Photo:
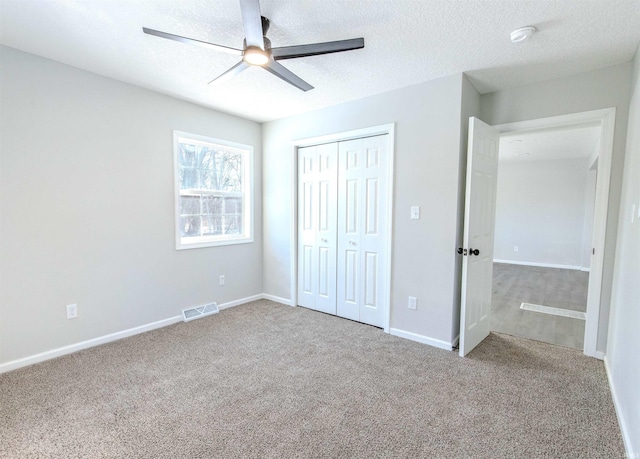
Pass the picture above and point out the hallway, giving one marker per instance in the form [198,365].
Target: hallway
[557,288]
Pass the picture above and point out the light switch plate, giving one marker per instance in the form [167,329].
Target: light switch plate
[415,212]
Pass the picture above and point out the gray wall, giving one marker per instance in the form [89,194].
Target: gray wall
[604,88]
[624,337]
[86,206]
[427,155]
[540,207]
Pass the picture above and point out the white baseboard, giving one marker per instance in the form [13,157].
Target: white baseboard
[52,354]
[585,270]
[540,265]
[277,299]
[626,434]
[421,339]
[245,300]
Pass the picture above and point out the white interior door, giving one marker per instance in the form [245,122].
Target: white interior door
[479,223]
[317,226]
[362,213]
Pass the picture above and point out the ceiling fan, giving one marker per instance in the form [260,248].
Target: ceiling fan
[257,50]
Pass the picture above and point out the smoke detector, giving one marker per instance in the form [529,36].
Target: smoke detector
[522,34]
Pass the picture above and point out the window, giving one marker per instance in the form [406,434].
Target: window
[214,182]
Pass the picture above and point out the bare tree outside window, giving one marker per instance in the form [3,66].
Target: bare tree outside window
[211,180]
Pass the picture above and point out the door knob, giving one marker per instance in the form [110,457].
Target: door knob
[323,240]
[475,252]
[352,243]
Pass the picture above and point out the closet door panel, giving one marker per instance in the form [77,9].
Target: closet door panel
[349,229]
[317,226]
[362,204]
[327,215]
[307,182]
[373,241]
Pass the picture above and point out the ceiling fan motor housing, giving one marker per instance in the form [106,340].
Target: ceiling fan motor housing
[267,44]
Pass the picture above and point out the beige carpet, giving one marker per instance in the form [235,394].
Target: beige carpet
[266,380]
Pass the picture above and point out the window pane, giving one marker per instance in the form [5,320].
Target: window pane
[207,226]
[189,205]
[207,179]
[228,171]
[187,155]
[189,178]
[212,205]
[232,205]
[233,224]
[205,157]
[216,225]
[189,226]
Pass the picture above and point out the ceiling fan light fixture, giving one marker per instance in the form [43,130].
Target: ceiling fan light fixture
[255,56]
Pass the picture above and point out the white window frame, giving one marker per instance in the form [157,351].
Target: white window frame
[246,236]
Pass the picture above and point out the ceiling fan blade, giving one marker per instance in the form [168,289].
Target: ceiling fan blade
[192,41]
[281,71]
[252,23]
[233,71]
[314,49]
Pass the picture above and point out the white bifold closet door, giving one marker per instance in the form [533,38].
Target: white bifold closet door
[342,211]
[317,226]
[362,213]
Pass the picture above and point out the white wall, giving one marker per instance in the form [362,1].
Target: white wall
[427,161]
[624,335]
[87,208]
[603,88]
[540,208]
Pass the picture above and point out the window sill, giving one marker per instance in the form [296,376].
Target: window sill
[201,242]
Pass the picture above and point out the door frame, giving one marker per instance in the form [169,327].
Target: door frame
[605,118]
[384,129]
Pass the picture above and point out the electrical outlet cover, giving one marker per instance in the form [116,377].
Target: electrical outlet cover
[72,311]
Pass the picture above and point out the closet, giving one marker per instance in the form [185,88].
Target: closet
[342,212]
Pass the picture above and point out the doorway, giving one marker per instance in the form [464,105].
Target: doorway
[543,233]
[476,282]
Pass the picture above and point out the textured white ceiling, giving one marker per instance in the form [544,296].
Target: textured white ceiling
[406,42]
[550,145]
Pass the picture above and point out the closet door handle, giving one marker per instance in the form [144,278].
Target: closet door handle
[352,243]
[323,240]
